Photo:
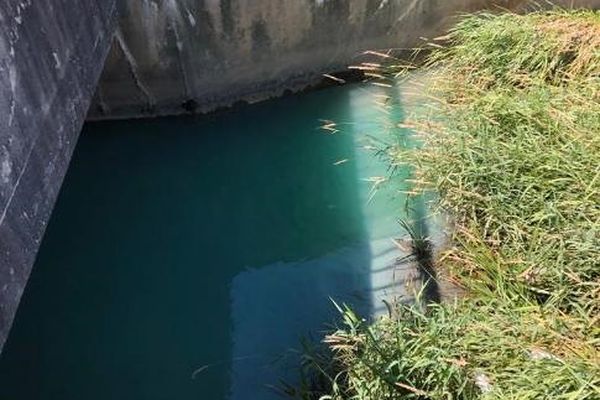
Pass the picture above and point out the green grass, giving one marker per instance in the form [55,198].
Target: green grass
[511,143]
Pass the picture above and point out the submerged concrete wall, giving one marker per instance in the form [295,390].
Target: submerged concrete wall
[51,55]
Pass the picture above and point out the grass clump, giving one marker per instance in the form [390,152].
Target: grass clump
[516,159]
[511,143]
[466,350]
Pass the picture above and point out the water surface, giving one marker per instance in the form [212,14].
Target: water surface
[186,256]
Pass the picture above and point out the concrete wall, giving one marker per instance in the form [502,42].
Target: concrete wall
[173,55]
[51,55]
[176,54]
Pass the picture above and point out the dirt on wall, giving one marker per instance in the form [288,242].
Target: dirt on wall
[175,56]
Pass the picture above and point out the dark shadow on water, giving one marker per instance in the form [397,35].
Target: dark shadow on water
[423,251]
[180,245]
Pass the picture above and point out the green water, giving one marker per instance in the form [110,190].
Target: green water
[186,256]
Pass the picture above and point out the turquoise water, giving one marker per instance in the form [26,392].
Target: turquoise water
[186,256]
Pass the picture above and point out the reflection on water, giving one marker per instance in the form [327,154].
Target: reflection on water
[185,256]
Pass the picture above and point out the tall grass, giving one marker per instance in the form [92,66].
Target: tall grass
[516,159]
[511,143]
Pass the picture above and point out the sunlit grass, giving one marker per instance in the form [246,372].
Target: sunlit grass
[516,160]
[511,143]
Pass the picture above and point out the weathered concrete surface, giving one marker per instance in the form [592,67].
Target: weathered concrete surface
[51,55]
[173,56]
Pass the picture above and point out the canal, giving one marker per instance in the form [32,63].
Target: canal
[187,256]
